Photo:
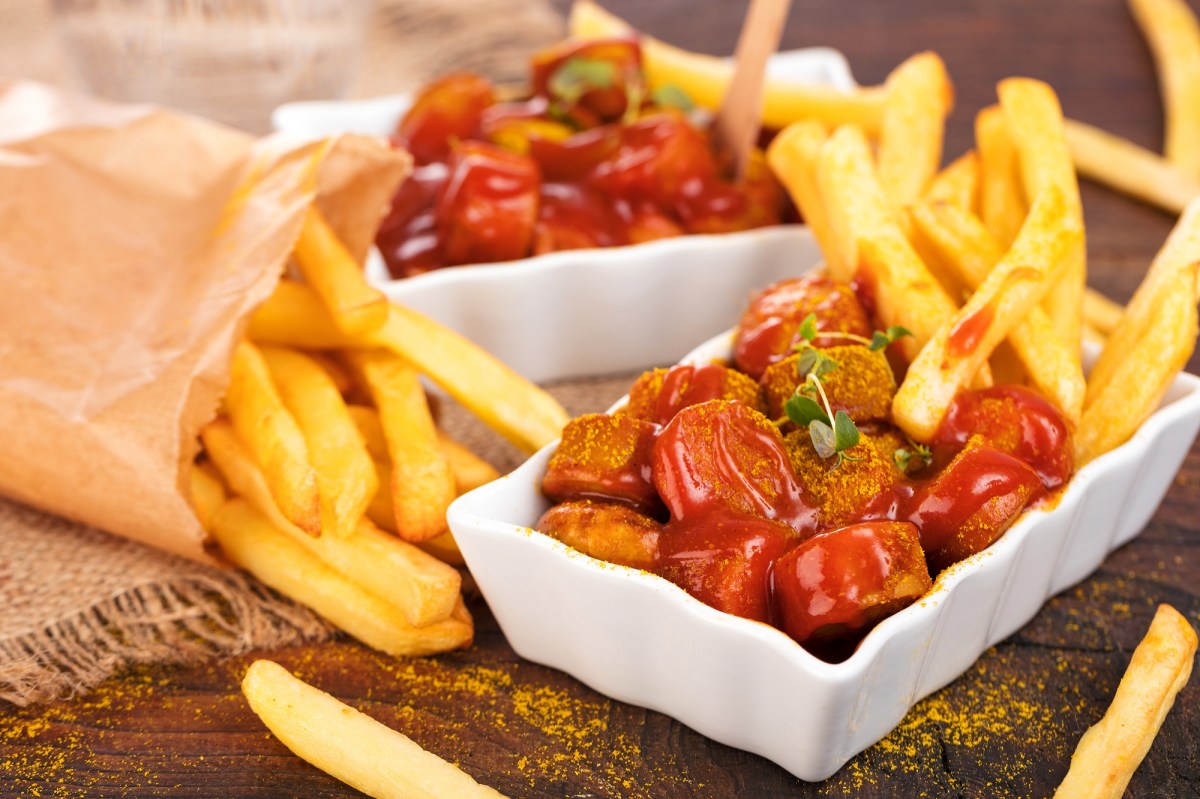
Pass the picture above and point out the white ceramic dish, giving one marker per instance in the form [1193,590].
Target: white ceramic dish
[640,639]
[583,296]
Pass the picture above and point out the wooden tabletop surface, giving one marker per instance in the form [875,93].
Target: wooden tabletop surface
[1006,728]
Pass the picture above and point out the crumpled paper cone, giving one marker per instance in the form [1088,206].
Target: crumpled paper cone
[135,242]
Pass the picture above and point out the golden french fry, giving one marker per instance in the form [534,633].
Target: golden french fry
[366,419]
[1101,313]
[354,306]
[1001,197]
[520,411]
[338,373]
[792,156]
[957,184]
[919,97]
[1035,122]
[349,745]
[382,510]
[869,237]
[1141,358]
[1111,750]
[1052,366]
[444,548]
[248,538]
[1181,249]
[422,484]
[423,589]
[1173,33]
[345,475]
[1023,276]
[270,432]
[207,492]
[1128,168]
[705,78]
[1093,334]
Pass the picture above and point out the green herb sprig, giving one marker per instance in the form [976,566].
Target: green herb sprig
[912,458]
[831,433]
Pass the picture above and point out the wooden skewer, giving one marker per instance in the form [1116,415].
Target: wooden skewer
[738,121]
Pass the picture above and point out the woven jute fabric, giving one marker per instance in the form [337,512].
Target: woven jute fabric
[77,604]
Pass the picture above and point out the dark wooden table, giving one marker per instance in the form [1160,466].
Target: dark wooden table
[1005,729]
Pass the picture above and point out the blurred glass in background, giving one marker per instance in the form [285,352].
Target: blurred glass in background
[228,60]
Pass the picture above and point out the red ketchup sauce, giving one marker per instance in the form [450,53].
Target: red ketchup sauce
[588,159]
[739,508]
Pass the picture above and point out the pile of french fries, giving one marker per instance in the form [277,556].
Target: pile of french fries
[325,474]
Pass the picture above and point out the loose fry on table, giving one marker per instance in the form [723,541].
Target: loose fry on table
[1130,169]
[520,411]
[792,156]
[1110,751]
[1181,249]
[1052,366]
[422,484]
[349,745]
[248,538]
[1173,33]
[1001,198]
[422,588]
[868,236]
[1035,121]
[355,306]
[706,78]
[957,184]
[345,475]
[270,432]
[207,492]
[1024,275]
[919,97]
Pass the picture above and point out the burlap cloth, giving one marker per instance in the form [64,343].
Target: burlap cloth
[77,604]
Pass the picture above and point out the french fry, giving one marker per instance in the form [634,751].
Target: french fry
[366,419]
[869,237]
[354,306]
[957,184]
[705,78]
[444,548]
[1110,751]
[1001,198]
[423,589]
[345,475]
[1122,165]
[1100,312]
[1173,33]
[248,538]
[508,403]
[207,492]
[470,471]
[338,373]
[1035,121]
[422,484]
[1181,249]
[1023,276]
[270,432]
[382,510]
[349,745]
[919,97]
[1141,359]
[792,156]
[1052,366]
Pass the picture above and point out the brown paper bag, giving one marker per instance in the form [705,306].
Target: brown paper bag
[133,244]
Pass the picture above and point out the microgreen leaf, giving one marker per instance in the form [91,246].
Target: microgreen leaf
[804,410]
[823,439]
[883,338]
[823,366]
[806,361]
[913,459]
[579,75]
[808,328]
[672,96]
[845,433]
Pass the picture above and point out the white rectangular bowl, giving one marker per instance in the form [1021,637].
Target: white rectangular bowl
[640,639]
[583,297]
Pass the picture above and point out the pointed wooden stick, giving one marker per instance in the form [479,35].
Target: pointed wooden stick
[740,117]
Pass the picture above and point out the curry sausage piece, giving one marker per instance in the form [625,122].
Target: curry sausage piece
[607,458]
[861,384]
[604,530]
[659,394]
